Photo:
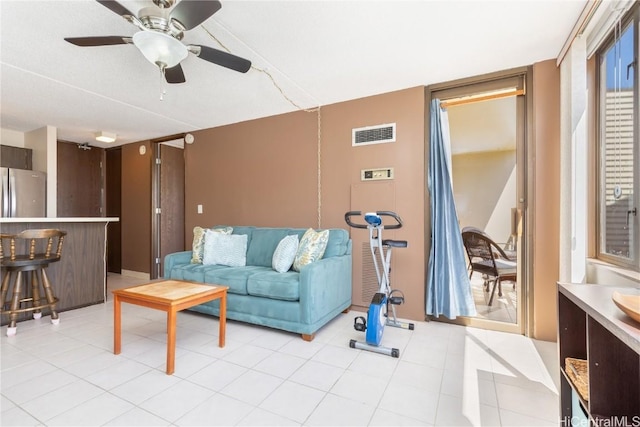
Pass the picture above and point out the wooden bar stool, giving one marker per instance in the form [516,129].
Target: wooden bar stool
[29,251]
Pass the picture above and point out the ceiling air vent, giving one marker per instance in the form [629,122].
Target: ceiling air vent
[373,135]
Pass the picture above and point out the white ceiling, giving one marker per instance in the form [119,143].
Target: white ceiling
[318,52]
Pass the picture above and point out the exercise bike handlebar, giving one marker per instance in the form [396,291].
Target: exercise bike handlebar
[395,216]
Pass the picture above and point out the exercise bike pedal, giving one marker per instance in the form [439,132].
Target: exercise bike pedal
[396,300]
[360,324]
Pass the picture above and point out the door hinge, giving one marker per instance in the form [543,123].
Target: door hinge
[157,260]
[158,161]
[158,211]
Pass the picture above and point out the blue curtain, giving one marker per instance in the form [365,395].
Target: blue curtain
[448,287]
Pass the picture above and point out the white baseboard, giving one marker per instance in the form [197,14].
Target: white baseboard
[135,274]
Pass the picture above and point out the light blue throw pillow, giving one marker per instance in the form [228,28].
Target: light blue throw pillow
[285,253]
[198,241]
[225,249]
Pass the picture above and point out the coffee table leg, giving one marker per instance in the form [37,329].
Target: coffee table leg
[171,341]
[223,319]
[116,325]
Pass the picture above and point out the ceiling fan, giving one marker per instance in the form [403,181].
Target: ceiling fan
[161,32]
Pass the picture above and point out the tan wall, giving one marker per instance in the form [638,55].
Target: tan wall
[261,172]
[546,198]
[343,190]
[11,137]
[135,219]
[264,172]
[479,181]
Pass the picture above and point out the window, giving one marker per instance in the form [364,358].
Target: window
[619,168]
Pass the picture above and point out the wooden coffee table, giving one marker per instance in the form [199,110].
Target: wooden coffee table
[171,296]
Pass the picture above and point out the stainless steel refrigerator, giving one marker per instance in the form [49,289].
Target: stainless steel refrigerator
[24,193]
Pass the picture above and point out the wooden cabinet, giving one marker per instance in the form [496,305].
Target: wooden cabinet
[16,157]
[80,178]
[592,329]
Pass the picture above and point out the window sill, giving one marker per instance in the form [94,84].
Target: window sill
[602,272]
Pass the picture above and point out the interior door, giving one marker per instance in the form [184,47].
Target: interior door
[168,215]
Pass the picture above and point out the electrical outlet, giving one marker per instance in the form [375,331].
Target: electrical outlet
[199,209]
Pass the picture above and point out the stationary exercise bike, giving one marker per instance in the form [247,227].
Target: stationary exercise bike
[378,313]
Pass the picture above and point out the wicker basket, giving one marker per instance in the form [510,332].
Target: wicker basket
[578,371]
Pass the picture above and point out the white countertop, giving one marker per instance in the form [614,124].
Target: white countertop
[71,219]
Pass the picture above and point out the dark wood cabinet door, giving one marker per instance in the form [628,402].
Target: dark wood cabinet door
[79,181]
[16,157]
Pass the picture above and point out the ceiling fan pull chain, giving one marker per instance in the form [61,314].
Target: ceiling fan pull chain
[162,80]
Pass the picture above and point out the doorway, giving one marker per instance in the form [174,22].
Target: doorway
[487,126]
[167,223]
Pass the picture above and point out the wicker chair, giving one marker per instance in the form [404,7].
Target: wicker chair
[489,259]
[31,252]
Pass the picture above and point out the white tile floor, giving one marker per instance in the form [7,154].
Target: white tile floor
[446,375]
[502,309]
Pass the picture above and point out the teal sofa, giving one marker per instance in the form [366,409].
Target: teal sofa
[300,302]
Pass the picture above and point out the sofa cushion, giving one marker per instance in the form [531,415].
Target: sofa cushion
[233,277]
[221,249]
[192,272]
[263,244]
[285,253]
[248,230]
[274,285]
[311,248]
[337,244]
[198,241]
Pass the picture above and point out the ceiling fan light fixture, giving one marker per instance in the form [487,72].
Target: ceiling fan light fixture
[160,48]
[105,136]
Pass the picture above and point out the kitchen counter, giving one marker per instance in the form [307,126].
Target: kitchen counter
[79,279]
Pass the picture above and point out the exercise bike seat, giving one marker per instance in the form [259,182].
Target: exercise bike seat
[395,243]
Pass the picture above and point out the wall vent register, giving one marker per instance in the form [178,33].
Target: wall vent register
[379,134]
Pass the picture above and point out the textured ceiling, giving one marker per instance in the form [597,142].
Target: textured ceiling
[318,52]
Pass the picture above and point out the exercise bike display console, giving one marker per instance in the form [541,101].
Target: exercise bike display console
[378,313]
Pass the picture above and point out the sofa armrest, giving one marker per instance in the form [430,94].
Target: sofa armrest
[324,286]
[174,259]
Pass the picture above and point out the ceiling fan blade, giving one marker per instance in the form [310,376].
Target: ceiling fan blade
[222,58]
[98,41]
[116,7]
[174,74]
[191,13]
